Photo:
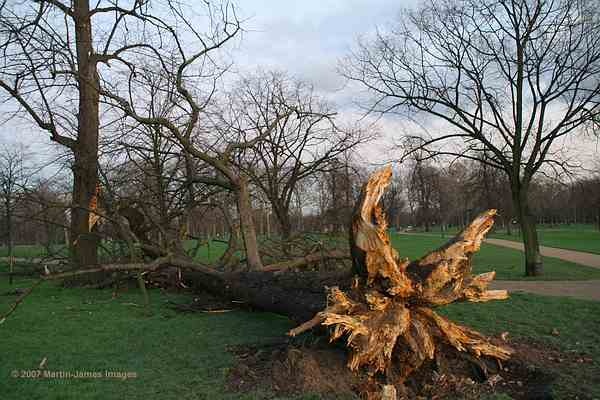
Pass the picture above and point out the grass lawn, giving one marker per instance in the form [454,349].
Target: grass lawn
[508,263]
[175,356]
[27,251]
[532,316]
[578,237]
[183,356]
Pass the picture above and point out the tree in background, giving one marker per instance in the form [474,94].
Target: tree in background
[508,78]
[297,148]
[14,177]
[424,192]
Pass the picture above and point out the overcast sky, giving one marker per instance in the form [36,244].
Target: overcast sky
[307,39]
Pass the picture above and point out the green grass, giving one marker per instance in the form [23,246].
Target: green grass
[209,252]
[27,251]
[508,263]
[175,356]
[183,356]
[579,237]
[532,316]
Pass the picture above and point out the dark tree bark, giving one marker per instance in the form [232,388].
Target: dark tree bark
[533,257]
[84,244]
[297,295]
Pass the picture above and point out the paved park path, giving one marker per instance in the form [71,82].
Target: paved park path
[589,290]
[578,257]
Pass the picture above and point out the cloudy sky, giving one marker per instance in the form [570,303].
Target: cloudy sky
[307,39]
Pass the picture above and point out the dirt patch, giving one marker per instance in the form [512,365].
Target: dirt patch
[287,369]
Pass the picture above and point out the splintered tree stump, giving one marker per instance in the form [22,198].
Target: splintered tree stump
[387,315]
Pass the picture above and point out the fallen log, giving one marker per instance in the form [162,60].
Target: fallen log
[383,307]
[297,295]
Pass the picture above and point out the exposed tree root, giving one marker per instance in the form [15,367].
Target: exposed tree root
[386,317]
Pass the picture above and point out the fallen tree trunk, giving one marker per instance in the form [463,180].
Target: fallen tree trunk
[298,295]
[383,307]
[386,311]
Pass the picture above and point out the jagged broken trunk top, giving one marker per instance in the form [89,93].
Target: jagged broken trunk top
[387,316]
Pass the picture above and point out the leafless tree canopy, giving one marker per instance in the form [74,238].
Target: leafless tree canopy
[508,79]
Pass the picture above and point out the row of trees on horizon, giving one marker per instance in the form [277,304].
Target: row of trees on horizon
[423,195]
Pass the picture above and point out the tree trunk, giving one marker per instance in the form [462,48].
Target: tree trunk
[228,258]
[244,206]
[508,222]
[84,244]
[285,225]
[297,295]
[9,239]
[533,257]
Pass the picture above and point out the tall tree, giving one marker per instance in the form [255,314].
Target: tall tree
[48,62]
[52,54]
[509,78]
[299,146]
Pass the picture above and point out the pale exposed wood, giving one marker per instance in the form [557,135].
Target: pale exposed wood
[386,317]
[306,326]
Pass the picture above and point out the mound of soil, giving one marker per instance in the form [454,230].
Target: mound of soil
[287,369]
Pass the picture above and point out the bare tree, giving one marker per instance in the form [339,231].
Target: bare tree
[55,56]
[424,192]
[298,146]
[189,80]
[14,177]
[153,175]
[509,79]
